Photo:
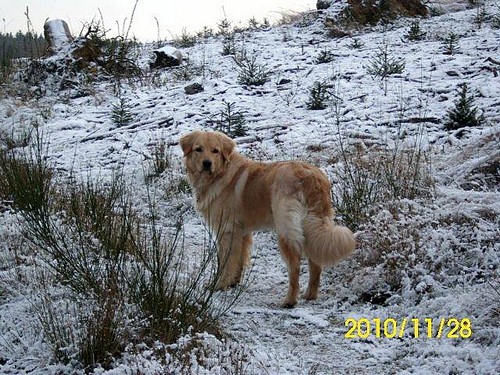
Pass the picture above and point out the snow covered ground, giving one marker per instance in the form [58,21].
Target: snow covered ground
[453,266]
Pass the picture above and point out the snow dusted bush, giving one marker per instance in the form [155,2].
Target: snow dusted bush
[121,113]
[325,56]
[88,58]
[464,113]
[383,65]
[366,181]
[160,158]
[415,33]
[228,38]
[185,40]
[495,18]
[27,181]
[318,95]
[417,244]
[392,250]
[251,73]
[105,274]
[229,120]
[186,71]
[450,44]
[192,353]
[404,255]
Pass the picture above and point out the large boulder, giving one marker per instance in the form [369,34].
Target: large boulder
[57,34]
[167,57]
[323,4]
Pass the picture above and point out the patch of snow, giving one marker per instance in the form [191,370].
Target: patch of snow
[459,236]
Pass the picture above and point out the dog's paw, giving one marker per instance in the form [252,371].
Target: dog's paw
[222,286]
[310,296]
[288,304]
[226,285]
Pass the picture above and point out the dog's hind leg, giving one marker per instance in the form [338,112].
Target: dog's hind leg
[314,278]
[288,214]
[292,259]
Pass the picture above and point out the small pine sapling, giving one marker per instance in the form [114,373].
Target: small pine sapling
[415,33]
[227,33]
[229,121]
[251,73]
[325,56]
[356,43]
[464,113]
[450,44]
[495,18]
[384,65]
[121,112]
[318,95]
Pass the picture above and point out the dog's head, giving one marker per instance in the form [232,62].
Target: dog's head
[206,153]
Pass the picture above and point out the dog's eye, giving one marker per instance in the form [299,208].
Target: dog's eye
[215,151]
[198,149]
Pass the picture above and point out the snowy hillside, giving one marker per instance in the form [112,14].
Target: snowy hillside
[428,229]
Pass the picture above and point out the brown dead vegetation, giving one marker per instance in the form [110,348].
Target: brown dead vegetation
[370,12]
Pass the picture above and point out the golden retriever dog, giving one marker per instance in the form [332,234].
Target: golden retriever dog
[237,196]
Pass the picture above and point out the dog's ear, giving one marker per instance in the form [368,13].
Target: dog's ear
[228,146]
[187,142]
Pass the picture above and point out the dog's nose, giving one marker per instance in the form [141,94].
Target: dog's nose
[207,165]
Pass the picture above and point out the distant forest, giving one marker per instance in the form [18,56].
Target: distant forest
[19,45]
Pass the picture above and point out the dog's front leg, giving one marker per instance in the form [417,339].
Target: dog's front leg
[231,259]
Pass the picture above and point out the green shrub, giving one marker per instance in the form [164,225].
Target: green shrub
[113,55]
[318,95]
[27,181]
[450,44]
[227,33]
[415,33]
[118,273]
[229,121]
[186,71]
[160,158]
[121,112]
[185,40]
[324,57]
[383,65]
[356,43]
[464,113]
[495,19]
[367,181]
[250,72]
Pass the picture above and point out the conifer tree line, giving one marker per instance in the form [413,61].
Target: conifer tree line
[14,46]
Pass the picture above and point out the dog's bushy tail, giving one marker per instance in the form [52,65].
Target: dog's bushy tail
[325,242]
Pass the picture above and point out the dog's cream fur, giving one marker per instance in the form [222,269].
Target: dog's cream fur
[237,196]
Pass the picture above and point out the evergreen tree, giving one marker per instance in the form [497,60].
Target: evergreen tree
[415,33]
[465,113]
[230,121]
[450,44]
[121,112]
[318,95]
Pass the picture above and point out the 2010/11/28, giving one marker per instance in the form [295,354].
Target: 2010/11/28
[451,328]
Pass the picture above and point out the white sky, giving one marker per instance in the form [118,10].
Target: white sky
[172,15]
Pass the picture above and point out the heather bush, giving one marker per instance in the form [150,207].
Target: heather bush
[117,273]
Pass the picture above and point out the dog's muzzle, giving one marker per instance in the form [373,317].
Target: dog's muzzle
[207,165]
